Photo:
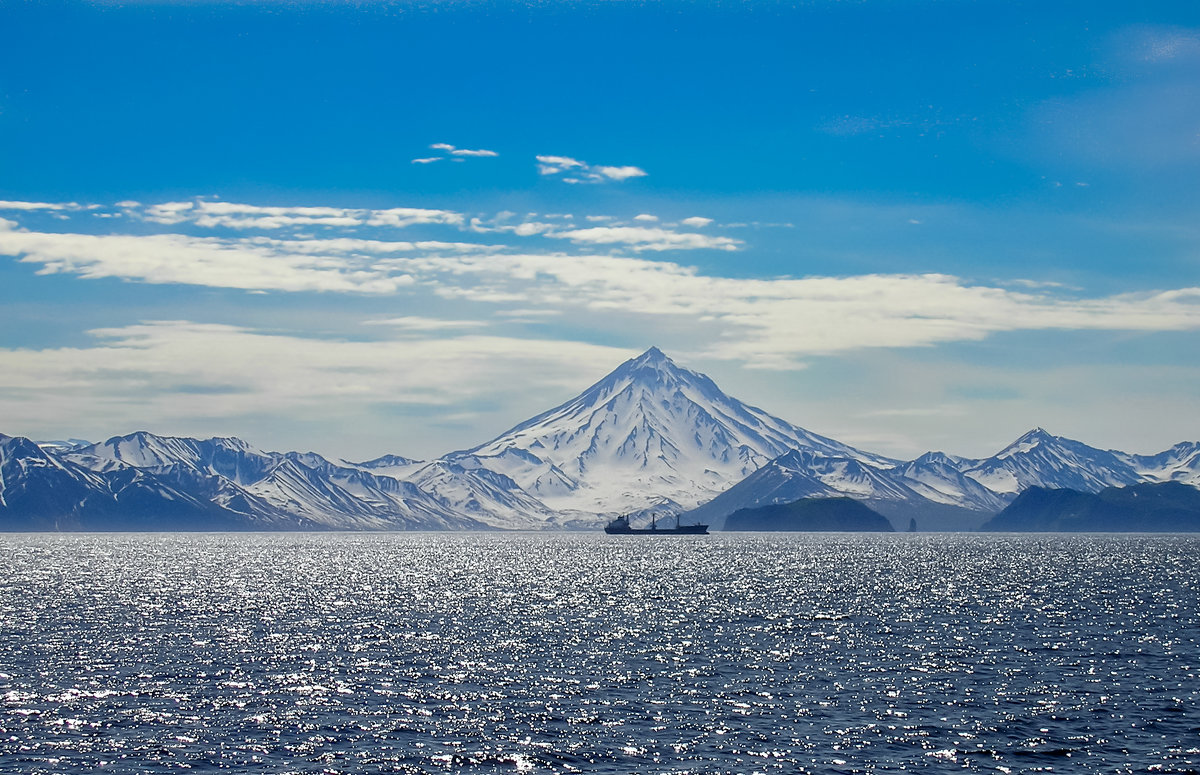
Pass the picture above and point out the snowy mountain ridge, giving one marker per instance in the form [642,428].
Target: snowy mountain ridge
[944,492]
[313,492]
[1042,460]
[651,436]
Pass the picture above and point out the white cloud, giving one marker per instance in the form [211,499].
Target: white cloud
[194,378]
[645,217]
[401,217]
[501,223]
[530,313]
[234,208]
[31,206]
[1040,284]
[764,322]
[209,214]
[553,165]
[242,216]
[424,324]
[696,222]
[173,258]
[234,215]
[458,153]
[169,213]
[620,173]
[349,247]
[772,323]
[530,228]
[582,172]
[427,160]
[646,238]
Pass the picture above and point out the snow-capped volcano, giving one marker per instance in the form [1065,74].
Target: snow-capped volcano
[649,434]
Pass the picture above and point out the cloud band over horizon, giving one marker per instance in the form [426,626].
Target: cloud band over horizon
[764,322]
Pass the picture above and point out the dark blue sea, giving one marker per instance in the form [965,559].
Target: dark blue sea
[563,653]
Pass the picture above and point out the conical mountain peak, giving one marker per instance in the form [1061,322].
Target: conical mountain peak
[649,429]
[651,365]
[652,373]
[653,356]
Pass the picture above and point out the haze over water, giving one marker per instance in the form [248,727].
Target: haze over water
[589,653]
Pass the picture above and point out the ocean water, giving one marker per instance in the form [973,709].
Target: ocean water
[483,653]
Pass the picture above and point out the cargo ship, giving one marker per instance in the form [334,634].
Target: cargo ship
[621,526]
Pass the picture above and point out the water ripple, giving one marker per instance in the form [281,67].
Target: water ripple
[583,653]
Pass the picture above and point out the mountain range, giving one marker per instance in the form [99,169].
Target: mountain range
[651,437]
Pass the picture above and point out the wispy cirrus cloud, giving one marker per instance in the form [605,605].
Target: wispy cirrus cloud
[646,238]
[31,206]
[202,261]
[776,322]
[768,322]
[347,246]
[403,217]
[235,215]
[243,216]
[576,171]
[454,153]
[162,374]
[424,324]
[504,223]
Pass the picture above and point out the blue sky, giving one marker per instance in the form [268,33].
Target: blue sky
[404,227]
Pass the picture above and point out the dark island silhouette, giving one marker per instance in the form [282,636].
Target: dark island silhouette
[1167,507]
[811,515]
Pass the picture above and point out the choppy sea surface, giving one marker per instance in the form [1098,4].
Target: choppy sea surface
[588,653]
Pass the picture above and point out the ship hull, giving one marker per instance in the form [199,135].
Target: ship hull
[651,531]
